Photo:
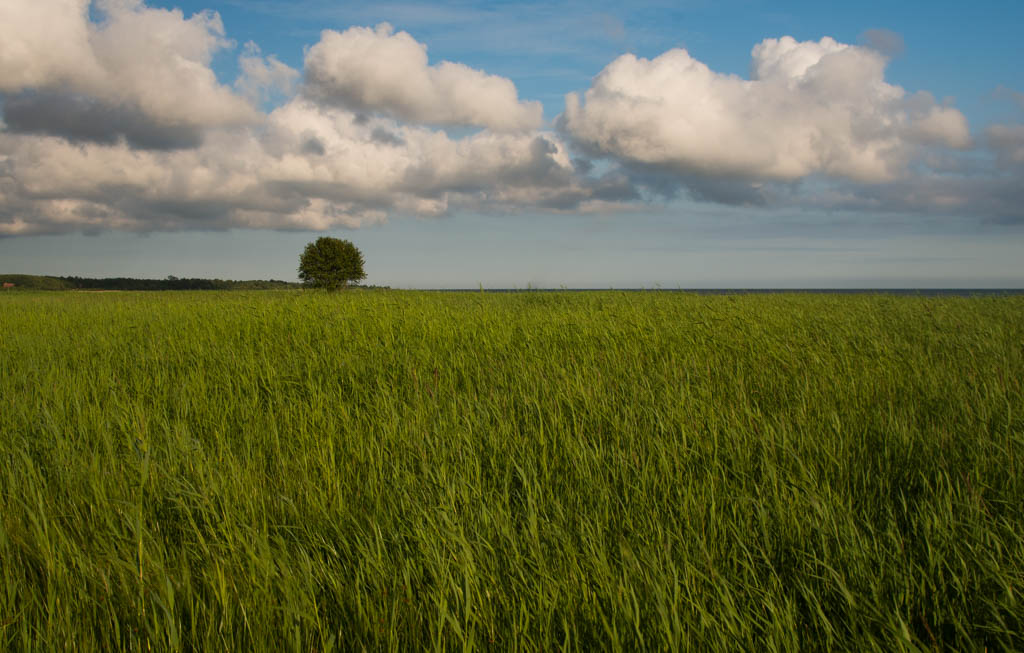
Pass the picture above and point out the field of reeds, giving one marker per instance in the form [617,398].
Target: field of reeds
[528,471]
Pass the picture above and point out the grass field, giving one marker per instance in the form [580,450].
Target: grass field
[534,471]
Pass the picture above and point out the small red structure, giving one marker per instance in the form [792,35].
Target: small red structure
[8,284]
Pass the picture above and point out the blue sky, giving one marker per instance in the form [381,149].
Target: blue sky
[677,170]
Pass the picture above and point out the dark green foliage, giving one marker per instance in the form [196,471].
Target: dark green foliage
[173,283]
[401,471]
[331,263]
[36,282]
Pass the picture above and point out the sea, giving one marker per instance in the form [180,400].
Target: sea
[924,292]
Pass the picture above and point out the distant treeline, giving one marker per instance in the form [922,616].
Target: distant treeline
[34,282]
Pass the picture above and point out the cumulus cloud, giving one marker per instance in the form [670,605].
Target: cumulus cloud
[44,43]
[308,167]
[81,118]
[809,108]
[119,122]
[137,70]
[378,70]
[263,78]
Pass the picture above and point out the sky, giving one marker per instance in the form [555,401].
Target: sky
[684,144]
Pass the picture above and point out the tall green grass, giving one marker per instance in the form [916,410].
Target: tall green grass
[534,471]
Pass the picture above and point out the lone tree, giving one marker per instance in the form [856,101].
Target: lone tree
[331,263]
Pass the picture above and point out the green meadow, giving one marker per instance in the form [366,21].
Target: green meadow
[390,470]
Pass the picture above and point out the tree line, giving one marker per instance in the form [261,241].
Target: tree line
[37,282]
[328,263]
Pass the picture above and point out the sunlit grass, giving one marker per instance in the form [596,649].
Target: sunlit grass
[399,470]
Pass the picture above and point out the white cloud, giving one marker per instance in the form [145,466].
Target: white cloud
[153,64]
[272,178]
[44,42]
[264,77]
[125,126]
[809,108]
[377,70]
[122,124]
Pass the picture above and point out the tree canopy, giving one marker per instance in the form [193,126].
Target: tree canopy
[331,263]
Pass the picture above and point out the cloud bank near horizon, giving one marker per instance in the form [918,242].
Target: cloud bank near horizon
[119,122]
